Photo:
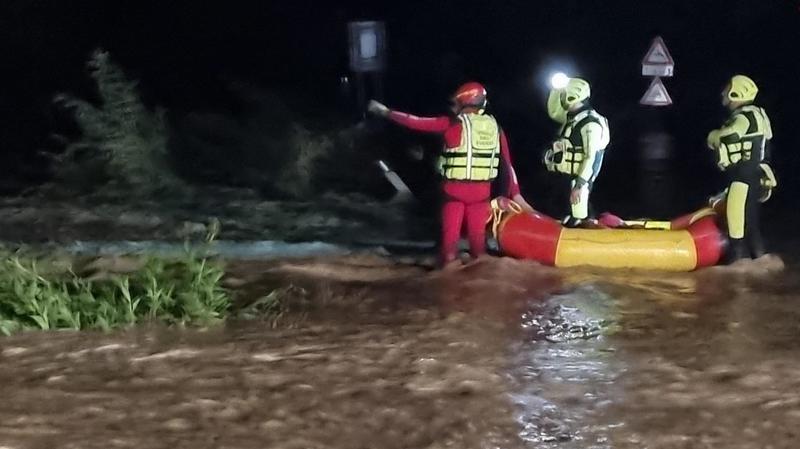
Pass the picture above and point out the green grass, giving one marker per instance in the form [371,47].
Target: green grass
[185,291]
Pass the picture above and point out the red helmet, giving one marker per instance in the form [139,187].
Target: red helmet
[470,94]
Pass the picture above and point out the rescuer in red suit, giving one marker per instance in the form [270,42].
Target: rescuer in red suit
[474,148]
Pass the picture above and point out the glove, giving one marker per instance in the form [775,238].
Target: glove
[378,108]
[768,182]
[768,179]
[548,160]
[554,155]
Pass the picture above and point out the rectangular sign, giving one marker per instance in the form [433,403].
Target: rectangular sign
[367,46]
[657,70]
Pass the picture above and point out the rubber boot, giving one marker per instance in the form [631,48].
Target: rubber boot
[737,250]
[571,222]
[756,246]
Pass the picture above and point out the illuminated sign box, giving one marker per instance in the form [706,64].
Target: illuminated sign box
[367,46]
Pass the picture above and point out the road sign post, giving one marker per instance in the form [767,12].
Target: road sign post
[655,180]
[367,41]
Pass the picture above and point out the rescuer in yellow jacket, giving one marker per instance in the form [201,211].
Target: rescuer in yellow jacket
[578,150]
[740,146]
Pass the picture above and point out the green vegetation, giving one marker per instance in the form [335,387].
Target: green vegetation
[185,291]
[267,146]
[122,140]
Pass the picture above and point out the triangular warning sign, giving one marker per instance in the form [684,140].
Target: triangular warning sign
[656,95]
[658,54]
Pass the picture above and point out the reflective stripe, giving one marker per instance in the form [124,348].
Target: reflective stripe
[580,210]
[568,153]
[735,209]
[476,158]
[466,125]
[734,148]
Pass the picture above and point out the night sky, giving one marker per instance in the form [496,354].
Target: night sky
[185,53]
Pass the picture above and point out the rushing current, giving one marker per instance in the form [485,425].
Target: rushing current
[370,352]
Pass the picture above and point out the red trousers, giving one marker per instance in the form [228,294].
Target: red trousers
[465,204]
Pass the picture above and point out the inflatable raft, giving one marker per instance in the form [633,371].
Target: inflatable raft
[683,244]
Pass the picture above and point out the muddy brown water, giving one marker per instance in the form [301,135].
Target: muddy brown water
[384,354]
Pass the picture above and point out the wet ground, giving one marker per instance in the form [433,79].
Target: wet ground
[241,215]
[372,353]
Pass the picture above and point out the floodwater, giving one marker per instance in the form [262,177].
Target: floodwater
[373,353]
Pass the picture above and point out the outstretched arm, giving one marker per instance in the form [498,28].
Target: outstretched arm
[425,124]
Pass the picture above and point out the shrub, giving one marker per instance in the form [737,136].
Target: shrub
[282,151]
[119,134]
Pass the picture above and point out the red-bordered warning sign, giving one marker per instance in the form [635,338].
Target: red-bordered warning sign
[656,95]
[658,61]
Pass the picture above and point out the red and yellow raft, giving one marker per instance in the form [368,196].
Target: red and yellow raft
[683,244]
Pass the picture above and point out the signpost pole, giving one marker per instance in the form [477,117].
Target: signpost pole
[656,183]
[367,40]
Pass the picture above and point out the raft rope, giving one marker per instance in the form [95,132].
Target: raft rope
[499,212]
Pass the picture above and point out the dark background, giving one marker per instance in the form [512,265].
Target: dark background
[185,52]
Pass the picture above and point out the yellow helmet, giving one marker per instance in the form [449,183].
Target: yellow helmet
[742,89]
[577,90]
